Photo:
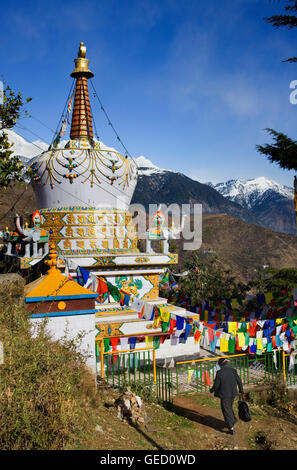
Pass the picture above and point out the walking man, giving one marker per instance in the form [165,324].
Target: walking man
[225,387]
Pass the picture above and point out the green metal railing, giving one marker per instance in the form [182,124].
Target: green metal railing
[125,368]
[290,373]
[164,388]
[199,375]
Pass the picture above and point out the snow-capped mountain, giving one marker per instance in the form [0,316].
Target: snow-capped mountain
[271,202]
[147,168]
[23,148]
[250,193]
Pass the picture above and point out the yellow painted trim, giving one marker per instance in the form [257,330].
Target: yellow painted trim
[112,314]
[284,367]
[156,333]
[129,350]
[211,358]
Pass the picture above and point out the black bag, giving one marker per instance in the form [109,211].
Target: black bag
[243,411]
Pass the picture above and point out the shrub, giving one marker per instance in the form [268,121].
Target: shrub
[45,389]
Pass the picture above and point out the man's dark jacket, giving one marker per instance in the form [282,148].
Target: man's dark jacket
[225,384]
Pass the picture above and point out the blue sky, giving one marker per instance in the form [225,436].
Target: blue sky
[191,85]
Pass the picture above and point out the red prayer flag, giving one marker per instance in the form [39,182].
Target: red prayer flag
[102,287]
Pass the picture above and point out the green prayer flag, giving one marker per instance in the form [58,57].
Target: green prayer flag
[156,341]
[239,300]
[106,342]
[247,338]
[231,345]
[242,328]
[165,326]
[165,278]
[114,291]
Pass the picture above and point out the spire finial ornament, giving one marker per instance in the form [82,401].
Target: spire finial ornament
[82,50]
[81,64]
[52,261]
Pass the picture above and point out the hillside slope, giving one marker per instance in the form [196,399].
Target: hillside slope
[245,248]
[17,199]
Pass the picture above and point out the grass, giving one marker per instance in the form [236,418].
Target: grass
[45,390]
[205,399]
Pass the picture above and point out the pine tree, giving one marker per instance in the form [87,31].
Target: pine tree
[289,21]
[284,149]
[276,280]
[208,279]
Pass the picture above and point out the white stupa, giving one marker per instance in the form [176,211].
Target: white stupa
[83,189]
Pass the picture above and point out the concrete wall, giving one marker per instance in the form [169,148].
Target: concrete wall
[73,325]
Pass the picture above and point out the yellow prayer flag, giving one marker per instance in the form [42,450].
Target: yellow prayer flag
[241,340]
[156,322]
[149,341]
[165,314]
[190,375]
[234,303]
[224,344]
[268,297]
[232,327]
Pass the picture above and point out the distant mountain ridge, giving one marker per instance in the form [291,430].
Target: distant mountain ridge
[252,192]
[156,186]
[271,202]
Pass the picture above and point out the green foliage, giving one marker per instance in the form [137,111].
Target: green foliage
[46,393]
[173,246]
[11,109]
[143,389]
[283,151]
[11,168]
[276,280]
[208,279]
[289,21]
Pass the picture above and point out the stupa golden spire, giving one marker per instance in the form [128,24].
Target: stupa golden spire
[81,124]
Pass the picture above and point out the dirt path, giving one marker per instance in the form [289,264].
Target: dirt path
[258,434]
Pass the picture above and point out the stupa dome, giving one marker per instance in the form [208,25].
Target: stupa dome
[81,173]
[90,177]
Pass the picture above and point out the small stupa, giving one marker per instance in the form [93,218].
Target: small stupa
[54,294]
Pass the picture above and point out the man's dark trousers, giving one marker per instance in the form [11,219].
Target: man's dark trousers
[228,413]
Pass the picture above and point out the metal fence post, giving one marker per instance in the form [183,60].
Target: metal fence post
[102,359]
[284,367]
